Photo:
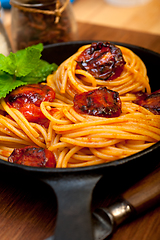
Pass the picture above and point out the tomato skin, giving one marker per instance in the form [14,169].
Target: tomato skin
[33,156]
[27,100]
[99,102]
[149,101]
[102,60]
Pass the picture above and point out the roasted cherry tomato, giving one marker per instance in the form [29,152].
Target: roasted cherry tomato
[102,60]
[99,102]
[33,156]
[27,100]
[150,102]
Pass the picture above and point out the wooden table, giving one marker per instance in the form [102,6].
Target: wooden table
[28,208]
[97,32]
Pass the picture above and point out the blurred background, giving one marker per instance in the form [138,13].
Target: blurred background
[136,15]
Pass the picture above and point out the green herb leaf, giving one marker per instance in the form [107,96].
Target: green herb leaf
[23,67]
[7,84]
[8,64]
[26,60]
[40,73]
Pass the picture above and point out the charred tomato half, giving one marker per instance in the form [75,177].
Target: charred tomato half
[102,60]
[99,102]
[149,101]
[27,100]
[33,156]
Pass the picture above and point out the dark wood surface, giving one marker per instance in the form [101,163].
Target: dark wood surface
[28,207]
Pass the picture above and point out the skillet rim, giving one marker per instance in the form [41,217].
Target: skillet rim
[102,166]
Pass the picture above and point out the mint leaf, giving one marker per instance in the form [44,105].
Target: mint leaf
[8,64]
[38,46]
[23,67]
[40,73]
[22,62]
[27,59]
[7,84]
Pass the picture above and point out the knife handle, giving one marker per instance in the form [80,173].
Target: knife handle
[144,194]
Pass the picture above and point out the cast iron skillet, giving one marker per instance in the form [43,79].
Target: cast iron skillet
[73,186]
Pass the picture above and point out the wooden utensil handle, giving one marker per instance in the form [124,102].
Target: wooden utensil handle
[145,193]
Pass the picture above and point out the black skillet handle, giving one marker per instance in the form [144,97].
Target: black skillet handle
[74,195]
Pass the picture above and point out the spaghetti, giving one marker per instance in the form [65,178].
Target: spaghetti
[69,79]
[78,140]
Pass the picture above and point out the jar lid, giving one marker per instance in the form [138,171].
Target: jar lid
[33,3]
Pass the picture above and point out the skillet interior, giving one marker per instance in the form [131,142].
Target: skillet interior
[58,53]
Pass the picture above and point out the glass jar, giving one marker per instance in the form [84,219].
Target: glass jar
[47,22]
